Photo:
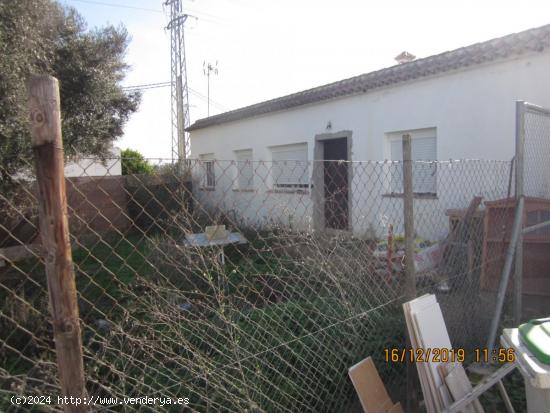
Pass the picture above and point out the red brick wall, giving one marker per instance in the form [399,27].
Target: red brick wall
[97,204]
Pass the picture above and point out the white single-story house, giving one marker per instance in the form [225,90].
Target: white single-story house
[458,104]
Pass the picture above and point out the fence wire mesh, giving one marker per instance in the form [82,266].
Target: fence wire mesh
[536,144]
[308,282]
[533,178]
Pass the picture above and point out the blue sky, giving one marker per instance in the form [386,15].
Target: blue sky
[268,48]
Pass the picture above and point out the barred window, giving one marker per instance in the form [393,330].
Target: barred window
[209,173]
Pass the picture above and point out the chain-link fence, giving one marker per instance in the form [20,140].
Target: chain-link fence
[266,314]
[532,268]
[535,141]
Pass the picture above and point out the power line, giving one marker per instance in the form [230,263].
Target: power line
[199,13]
[135,89]
[168,83]
[219,107]
[122,6]
[203,15]
[213,102]
[147,86]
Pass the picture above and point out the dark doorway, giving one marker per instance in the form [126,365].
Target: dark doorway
[336,183]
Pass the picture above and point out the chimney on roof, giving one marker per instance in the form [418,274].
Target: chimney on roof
[404,57]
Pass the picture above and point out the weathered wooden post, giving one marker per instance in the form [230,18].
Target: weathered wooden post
[408,216]
[410,279]
[44,107]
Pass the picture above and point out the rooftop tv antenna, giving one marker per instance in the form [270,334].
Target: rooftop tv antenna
[208,68]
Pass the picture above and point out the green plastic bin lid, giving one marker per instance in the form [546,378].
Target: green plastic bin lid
[536,336]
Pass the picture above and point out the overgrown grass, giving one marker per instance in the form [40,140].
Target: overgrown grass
[295,337]
[111,266]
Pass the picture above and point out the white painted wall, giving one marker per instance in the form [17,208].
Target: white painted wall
[95,167]
[473,111]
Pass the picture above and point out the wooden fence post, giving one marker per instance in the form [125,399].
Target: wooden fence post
[44,107]
[408,215]
[410,279]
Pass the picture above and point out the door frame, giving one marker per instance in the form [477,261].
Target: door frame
[318,192]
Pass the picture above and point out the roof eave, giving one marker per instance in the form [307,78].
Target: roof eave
[491,51]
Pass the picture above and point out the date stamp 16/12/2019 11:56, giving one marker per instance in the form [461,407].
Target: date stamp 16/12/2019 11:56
[445,355]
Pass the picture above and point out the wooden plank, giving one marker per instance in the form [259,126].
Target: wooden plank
[445,395]
[459,386]
[465,221]
[440,380]
[421,368]
[369,387]
[396,408]
[459,229]
[428,321]
[423,319]
[444,390]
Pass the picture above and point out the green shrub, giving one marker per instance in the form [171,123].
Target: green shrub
[133,162]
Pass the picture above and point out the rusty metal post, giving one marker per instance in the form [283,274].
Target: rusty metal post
[44,107]
[507,269]
[520,191]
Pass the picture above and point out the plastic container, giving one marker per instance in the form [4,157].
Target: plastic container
[535,372]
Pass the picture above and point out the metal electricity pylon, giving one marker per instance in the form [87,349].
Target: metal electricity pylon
[180,93]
